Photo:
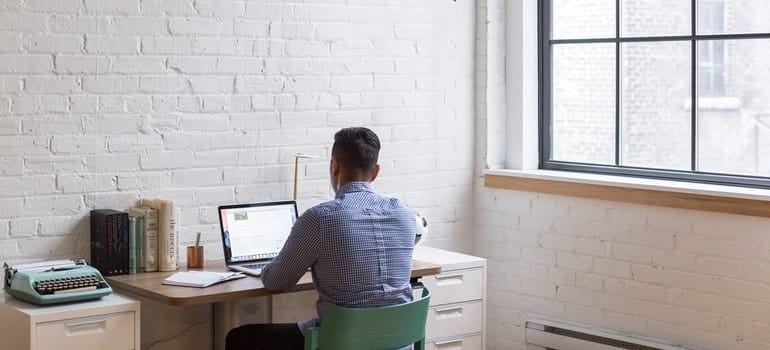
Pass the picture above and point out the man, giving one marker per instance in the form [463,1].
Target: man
[358,246]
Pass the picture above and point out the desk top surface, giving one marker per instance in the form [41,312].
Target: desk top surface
[149,285]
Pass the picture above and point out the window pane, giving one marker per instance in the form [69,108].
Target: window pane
[719,51]
[711,67]
[583,108]
[706,81]
[734,129]
[733,17]
[574,19]
[655,17]
[655,117]
[711,16]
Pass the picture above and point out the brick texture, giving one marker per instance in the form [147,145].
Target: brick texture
[205,102]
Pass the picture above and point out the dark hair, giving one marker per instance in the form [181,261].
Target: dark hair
[357,148]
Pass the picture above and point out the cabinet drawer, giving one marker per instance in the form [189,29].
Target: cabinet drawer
[454,319]
[472,342]
[455,286]
[110,331]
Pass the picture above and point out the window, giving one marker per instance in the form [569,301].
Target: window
[673,89]
[711,53]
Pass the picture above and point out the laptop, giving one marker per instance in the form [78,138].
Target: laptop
[253,234]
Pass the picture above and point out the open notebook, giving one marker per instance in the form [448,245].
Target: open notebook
[200,279]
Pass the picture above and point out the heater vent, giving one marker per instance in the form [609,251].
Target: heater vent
[560,336]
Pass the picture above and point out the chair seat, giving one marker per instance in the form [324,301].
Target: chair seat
[374,328]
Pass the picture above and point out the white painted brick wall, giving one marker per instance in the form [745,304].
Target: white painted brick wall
[682,285]
[205,102]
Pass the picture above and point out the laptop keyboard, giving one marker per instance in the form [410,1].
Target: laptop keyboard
[255,266]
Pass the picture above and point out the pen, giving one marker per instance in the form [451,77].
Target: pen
[198,239]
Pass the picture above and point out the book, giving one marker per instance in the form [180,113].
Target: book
[120,250]
[132,244]
[109,241]
[167,233]
[169,261]
[140,243]
[200,279]
[149,237]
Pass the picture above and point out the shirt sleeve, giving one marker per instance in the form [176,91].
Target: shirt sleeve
[298,254]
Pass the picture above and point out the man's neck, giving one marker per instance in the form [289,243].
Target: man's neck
[343,184]
[346,178]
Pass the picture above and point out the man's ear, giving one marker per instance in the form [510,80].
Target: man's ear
[334,167]
[375,172]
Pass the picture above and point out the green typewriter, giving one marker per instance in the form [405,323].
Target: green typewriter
[55,282]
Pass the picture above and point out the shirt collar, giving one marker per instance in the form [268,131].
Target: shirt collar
[356,186]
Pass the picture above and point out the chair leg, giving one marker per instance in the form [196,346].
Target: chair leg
[311,339]
[419,345]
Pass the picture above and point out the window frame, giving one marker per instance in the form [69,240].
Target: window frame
[545,96]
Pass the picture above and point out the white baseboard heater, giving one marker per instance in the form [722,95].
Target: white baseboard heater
[561,336]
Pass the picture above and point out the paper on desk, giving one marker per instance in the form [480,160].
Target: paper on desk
[45,265]
[200,279]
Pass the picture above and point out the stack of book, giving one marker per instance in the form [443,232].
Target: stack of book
[143,239]
[110,242]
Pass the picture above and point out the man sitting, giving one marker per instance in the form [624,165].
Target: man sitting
[358,246]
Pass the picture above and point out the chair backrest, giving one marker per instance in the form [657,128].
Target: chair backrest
[374,328]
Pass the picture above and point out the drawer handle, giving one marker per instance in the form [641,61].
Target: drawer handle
[89,325]
[450,279]
[449,312]
[448,276]
[442,344]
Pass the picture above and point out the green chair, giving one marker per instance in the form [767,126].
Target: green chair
[374,328]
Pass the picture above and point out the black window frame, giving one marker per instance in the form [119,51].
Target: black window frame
[544,105]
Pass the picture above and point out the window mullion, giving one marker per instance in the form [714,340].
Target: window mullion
[694,87]
[617,83]
[545,121]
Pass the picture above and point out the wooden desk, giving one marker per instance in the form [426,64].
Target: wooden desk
[149,285]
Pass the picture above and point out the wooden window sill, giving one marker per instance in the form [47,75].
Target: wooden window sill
[683,195]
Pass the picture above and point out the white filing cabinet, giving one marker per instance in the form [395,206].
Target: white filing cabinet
[111,322]
[456,319]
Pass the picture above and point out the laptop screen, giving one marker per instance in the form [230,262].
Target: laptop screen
[255,231]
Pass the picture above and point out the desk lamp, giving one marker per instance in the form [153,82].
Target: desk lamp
[296,169]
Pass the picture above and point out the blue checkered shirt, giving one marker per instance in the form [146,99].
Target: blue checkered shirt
[358,246]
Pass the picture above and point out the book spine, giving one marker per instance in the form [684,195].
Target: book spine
[117,244]
[140,259]
[110,256]
[132,235]
[98,241]
[122,246]
[151,240]
[174,237]
[167,237]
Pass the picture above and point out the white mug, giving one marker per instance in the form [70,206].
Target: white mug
[422,227]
